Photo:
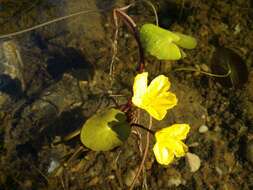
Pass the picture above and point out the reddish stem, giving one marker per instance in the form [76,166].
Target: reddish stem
[134,30]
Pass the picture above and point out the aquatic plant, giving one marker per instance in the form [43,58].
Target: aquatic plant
[110,127]
[164,44]
[154,98]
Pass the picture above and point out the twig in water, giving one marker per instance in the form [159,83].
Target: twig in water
[48,23]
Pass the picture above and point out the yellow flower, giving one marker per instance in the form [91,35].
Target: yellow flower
[155,98]
[169,143]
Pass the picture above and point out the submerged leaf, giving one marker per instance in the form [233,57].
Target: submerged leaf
[225,60]
[105,130]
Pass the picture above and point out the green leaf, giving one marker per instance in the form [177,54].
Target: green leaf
[163,44]
[185,41]
[105,130]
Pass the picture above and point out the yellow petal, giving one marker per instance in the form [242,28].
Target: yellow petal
[179,148]
[176,131]
[139,88]
[159,84]
[157,99]
[162,154]
[158,105]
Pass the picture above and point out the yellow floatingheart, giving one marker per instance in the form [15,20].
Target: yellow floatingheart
[155,98]
[169,143]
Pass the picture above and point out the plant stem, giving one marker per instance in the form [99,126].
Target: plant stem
[134,30]
[142,127]
[203,72]
[144,155]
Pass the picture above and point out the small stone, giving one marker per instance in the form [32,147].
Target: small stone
[218,170]
[94,181]
[111,177]
[176,181]
[203,129]
[204,67]
[194,144]
[129,177]
[52,166]
[193,161]
[217,129]
[237,29]
[249,151]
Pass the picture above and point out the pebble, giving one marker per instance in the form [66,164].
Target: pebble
[249,151]
[53,165]
[129,177]
[203,129]
[193,161]
[176,181]
[218,170]
[204,67]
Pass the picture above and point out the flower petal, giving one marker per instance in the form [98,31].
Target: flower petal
[140,88]
[179,148]
[159,105]
[162,154]
[176,131]
[159,84]
[156,113]
[157,99]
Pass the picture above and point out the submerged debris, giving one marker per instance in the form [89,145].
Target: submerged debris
[249,151]
[11,62]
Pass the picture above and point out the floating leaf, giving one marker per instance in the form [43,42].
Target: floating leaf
[105,130]
[163,44]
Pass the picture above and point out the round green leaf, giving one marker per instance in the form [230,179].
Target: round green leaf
[105,130]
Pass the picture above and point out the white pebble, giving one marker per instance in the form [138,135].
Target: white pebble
[203,129]
[53,165]
[193,161]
